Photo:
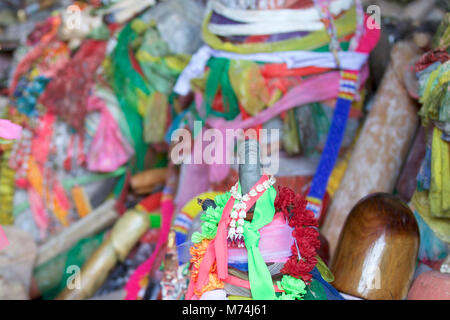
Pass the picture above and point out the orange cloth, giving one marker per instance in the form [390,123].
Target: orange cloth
[198,252]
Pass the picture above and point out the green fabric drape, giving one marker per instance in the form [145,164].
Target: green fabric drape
[218,79]
[261,284]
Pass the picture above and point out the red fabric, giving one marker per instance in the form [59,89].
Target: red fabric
[301,4]
[257,39]
[272,70]
[40,30]
[120,204]
[217,104]
[151,236]
[152,202]
[245,115]
[431,57]
[134,63]
[67,93]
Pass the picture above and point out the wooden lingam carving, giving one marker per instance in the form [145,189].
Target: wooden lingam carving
[377,249]
[249,173]
[249,169]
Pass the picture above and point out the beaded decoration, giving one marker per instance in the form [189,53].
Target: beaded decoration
[239,212]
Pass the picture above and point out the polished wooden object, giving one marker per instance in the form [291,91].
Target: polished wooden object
[377,249]
[144,182]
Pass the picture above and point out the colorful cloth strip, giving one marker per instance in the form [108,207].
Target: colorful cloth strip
[349,60]
[330,153]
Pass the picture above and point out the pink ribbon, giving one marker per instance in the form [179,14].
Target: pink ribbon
[109,149]
[275,242]
[235,281]
[217,250]
[317,88]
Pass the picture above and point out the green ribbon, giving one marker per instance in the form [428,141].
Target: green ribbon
[126,82]
[261,284]
[294,289]
[218,77]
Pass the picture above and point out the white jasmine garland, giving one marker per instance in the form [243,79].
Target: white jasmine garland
[238,213]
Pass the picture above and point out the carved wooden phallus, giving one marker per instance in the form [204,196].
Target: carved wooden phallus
[377,249]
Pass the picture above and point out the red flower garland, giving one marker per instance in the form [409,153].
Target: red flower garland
[305,232]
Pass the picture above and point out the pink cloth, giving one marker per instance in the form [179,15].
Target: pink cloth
[3,239]
[109,149]
[9,130]
[274,245]
[317,88]
[238,282]
[311,90]
[430,285]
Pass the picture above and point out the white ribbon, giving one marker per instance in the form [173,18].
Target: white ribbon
[285,16]
[262,22]
[262,28]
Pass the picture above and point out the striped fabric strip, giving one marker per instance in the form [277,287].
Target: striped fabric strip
[347,90]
